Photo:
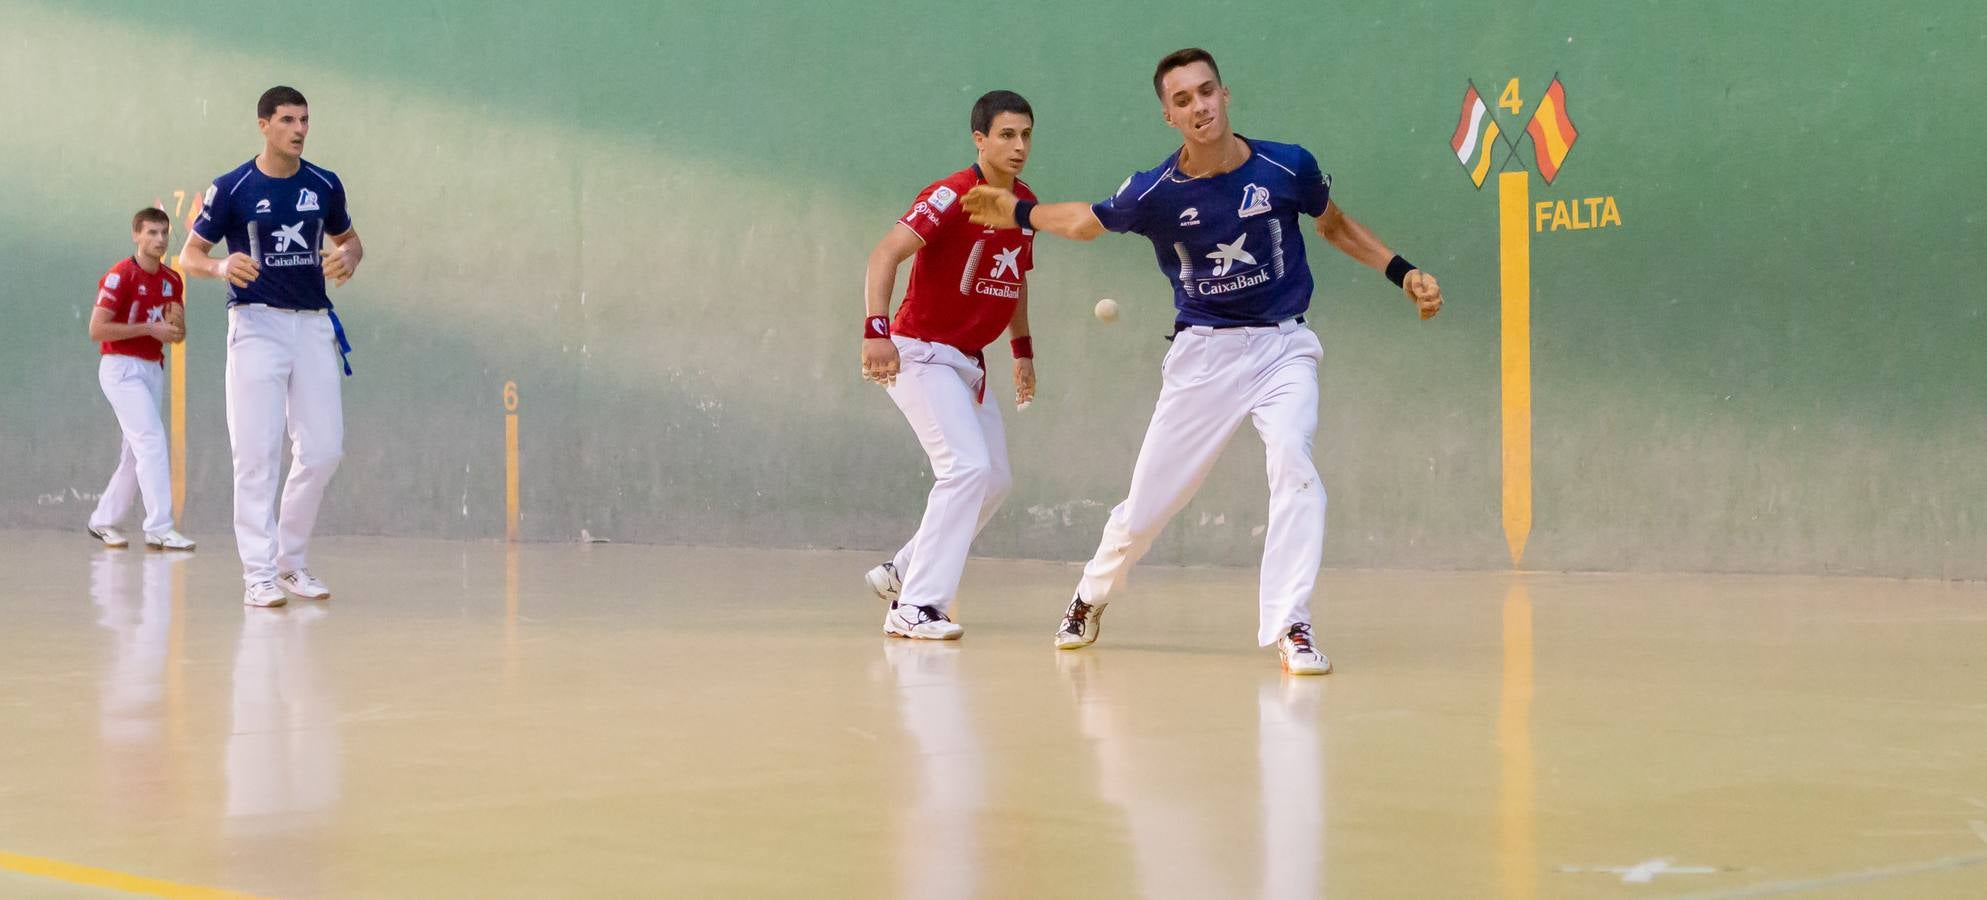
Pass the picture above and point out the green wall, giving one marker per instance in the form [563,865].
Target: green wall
[654,218]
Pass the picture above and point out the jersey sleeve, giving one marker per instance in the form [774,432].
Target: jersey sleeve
[1123,211]
[935,207]
[1314,187]
[114,293]
[337,220]
[216,216]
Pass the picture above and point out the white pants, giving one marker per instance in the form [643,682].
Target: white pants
[1212,381]
[937,386]
[283,378]
[134,388]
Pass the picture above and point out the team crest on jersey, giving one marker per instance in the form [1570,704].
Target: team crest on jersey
[1255,201]
[111,281]
[306,200]
[142,291]
[262,206]
[167,289]
[942,198]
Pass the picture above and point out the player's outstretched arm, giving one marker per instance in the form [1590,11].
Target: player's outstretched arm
[343,259]
[194,259]
[879,354]
[1354,240]
[992,206]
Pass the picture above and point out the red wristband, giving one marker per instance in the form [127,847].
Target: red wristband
[876,327]
[1024,347]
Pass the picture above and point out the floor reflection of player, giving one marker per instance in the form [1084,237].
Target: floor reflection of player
[131,725]
[1292,760]
[282,762]
[939,845]
[1173,852]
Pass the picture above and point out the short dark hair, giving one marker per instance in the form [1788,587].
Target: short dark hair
[1179,58]
[993,103]
[150,214]
[280,95]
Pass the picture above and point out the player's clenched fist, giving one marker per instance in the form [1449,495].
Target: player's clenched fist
[337,266]
[990,206]
[1426,294]
[879,361]
[240,269]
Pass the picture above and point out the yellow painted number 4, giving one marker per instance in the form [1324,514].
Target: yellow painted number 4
[1509,99]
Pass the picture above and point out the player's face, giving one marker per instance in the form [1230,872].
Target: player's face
[1004,146]
[1195,103]
[286,129]
[150,239]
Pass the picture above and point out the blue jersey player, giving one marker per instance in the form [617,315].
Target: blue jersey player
[1222,216]
[288,233]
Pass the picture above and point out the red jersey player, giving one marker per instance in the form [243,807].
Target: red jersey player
[139,306]
[968,284]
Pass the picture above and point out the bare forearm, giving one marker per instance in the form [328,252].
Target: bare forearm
[1354,240]
[194,261]
[1017,327]
[879,282]
[118,331]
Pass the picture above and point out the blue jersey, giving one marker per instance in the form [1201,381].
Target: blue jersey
[1230,243]
[282,223]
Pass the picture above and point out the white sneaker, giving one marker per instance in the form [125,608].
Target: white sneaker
[169,539]
[111,537]
[1081,624]
[264,593]
[884,581]
[303,586]
[924,623]
[1299,657]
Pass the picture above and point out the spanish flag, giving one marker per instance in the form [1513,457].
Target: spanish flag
[1552,131]
[1476,136]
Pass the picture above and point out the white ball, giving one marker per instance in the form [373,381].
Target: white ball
[1107,310]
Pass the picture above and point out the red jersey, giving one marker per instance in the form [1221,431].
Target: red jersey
[967,278]
[135,296]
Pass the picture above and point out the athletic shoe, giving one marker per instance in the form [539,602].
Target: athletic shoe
[924,623]
[884,581]
[1081,624]
[264,593]
[111,537]
[303,586]
[168,539]
[1299,657]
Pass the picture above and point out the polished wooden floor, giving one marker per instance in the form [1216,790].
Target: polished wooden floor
[472,720]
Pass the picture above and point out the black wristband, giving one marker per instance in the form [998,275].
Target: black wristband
[1021,210]
[1397,269]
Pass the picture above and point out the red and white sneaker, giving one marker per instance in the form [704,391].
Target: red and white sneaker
[1081,623]
[1299,656]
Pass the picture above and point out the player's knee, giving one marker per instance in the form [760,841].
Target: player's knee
[1288,456]
[320,457]
[998,483]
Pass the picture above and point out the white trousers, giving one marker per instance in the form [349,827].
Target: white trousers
[283,379]
[1212,381]
[134,388]
[937,386]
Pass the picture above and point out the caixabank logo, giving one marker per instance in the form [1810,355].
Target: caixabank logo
[1483,143]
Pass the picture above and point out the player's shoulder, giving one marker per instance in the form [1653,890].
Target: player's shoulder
[119,271]
[171,277]
[942,194]
[231,181]
[1292,158]
[321,173]
[1142,183]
